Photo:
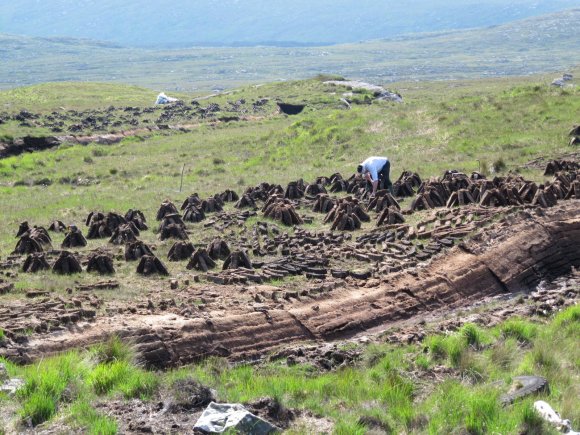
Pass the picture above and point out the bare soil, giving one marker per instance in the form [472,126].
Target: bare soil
[246,321]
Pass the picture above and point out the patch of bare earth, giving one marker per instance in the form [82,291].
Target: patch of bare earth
[245,321]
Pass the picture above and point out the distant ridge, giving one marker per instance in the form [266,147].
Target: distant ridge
[185,23]
[533,45]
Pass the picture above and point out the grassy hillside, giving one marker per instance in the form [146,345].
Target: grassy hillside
[76,96]
[518,48]
[494,125]
[465,126]
[182,23]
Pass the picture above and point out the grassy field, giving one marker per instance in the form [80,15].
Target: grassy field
[467,126]
[392,386]
[494,125]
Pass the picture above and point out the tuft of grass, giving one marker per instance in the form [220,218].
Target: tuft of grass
[423,362]
[504,353]
[140,384]
[522,330]
[105,377]
[38,408]
[454,405]
[85,416]
[473,335]
[570,316]
[436,346]
[531,422]
[47,383]
[455,346]
[124,377]
[112,350]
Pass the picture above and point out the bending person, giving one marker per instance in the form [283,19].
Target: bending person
[376,171]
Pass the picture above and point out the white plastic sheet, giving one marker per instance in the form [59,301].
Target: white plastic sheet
[164,99]
[552,417]
[219,417]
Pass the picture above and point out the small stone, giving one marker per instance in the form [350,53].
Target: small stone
[11,386]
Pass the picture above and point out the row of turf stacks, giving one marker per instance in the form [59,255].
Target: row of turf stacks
[342,213]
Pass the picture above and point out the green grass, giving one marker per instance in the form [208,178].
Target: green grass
[379,387]
[112,350]
[521,330]
[75,96]
[39,408]
[78,377]
[84,415]
[440,126]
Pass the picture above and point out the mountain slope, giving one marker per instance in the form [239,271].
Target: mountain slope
[523,47]
[182,23]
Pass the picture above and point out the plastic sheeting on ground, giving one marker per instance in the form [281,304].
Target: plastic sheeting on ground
[552,417]
[219,417]
[164,99]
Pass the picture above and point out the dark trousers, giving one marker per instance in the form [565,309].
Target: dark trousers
[384,180]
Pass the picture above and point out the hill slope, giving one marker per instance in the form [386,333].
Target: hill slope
[251,22]
[533,45]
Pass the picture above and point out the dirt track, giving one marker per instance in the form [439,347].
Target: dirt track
[510,256]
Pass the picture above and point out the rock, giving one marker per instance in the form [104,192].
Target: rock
[11,386]
[379,92]
[217,418]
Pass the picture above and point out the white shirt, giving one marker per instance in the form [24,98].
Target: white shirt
[374,165]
